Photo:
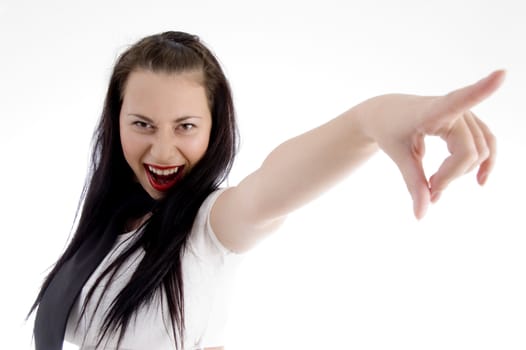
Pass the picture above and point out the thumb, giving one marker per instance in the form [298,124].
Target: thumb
[416,182]
[463,99]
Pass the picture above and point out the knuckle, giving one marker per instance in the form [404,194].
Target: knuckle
[491,141]
[484,153]
[469,157]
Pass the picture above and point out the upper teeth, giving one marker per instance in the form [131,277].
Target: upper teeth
[163,171]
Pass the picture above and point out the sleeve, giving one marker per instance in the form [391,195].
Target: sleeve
[203,241]
[222,265]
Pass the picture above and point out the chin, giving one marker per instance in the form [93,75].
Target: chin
[155,194]
[152,192]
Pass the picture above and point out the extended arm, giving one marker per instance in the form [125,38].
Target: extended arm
[303,167]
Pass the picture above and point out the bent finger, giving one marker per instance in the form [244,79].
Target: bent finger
[479,140]
[463,155]
[488,164]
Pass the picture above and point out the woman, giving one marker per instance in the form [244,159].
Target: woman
[167,238]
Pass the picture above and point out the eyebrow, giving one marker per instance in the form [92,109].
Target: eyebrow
[178,120]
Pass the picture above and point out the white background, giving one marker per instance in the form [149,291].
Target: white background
[353,269]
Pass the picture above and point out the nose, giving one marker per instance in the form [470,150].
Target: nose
[164,147]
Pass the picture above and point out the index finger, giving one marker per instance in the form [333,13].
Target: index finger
[465,98]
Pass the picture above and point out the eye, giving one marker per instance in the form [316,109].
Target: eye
[142,125]
[187,126]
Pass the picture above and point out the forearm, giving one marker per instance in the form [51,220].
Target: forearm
[302,168]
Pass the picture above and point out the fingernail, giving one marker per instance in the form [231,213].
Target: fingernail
[435,196]
[483,178]
[487,77]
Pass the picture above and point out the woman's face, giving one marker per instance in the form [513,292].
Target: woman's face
[165,124]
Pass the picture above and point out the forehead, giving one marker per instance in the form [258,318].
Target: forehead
[158,91]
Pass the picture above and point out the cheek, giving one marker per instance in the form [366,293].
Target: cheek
[202,146]
[196,148]
[131,149]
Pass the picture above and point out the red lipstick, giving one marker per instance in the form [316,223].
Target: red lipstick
[162,178]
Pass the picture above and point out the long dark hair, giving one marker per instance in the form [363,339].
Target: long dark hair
[111,180]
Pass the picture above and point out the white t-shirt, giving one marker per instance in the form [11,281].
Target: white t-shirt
[208,275]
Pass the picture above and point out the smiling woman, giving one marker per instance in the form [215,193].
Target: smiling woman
[165,124]
[144,258]
[152,261]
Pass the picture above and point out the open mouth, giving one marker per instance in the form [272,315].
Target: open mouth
[162,179]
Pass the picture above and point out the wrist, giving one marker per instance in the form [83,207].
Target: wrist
[359,119]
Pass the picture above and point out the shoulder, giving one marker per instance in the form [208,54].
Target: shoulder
[203,240]
[234,220]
